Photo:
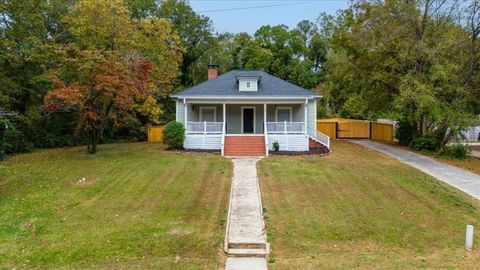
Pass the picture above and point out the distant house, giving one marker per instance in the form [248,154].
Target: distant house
[245,112]
[471,134]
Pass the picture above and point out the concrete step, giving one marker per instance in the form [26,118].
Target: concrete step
[247,245]
[247,252]
[246,264]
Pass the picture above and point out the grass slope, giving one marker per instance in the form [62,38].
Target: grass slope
[360,209]
[139,207]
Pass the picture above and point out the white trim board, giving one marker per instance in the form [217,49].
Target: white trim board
[254,117]
[248,97]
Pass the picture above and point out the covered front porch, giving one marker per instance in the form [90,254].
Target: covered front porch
[290,123]
[245,119]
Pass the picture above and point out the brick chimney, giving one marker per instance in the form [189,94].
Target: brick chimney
[212,71]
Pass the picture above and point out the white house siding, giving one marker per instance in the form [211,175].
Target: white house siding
[471,134]
[180,112]
[311,116]
[289,142]
[201,141]
[298,113]
[242,84]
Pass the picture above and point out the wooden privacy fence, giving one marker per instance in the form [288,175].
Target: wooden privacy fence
[382,132]
[328,128]
[355,129]
[155,134]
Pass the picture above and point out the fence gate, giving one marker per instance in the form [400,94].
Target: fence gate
[353,129]
[382,132]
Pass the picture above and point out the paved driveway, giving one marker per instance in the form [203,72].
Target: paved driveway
[466,181]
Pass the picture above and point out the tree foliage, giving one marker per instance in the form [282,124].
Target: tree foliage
[413,61]
[104,91]
[408,59]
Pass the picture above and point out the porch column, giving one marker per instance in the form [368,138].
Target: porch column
[265,117]
[224,117]
[305,106]
[224,129]
[265,128]
[185,109]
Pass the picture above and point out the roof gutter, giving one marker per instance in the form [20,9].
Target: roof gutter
[246,97]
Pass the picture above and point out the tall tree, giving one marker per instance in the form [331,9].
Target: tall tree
[103,91]
[403,59]
[195,32]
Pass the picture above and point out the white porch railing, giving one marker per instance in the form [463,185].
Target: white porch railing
[205,127]
[319,136]
[285,127]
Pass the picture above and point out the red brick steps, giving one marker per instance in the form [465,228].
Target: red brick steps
[314,144]
[244,146]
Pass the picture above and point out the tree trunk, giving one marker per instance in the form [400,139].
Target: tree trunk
[424,125]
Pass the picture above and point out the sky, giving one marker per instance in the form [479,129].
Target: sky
[237,16]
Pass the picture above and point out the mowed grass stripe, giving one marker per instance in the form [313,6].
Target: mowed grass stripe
[140,206]
[357,208]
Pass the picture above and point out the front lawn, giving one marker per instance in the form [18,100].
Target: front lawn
[128,206]
[360,209]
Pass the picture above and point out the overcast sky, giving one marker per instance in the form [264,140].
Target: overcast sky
[248,15]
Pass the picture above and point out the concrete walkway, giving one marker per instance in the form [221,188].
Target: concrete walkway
[466,181]
[245,240]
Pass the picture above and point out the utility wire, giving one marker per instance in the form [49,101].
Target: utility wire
[251,7]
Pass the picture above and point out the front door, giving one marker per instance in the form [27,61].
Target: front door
[248,115]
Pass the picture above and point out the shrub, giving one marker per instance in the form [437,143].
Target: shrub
[3,127]
[429,142]
[405,133]
[174,135]
[456,151]
[15,140]
[276,146]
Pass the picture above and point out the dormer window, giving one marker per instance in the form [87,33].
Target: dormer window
[248,83]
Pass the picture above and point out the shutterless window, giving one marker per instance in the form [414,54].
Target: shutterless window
[283,115]
[207,115]
[248,84]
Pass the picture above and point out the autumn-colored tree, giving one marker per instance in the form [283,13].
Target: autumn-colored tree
[105,91]
[108,26]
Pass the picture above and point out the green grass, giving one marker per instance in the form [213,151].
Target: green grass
[139,207]
[360,209]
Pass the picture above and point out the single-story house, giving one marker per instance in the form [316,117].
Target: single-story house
[245,112]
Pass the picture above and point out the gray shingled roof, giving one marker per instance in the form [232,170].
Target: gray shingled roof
[226,86]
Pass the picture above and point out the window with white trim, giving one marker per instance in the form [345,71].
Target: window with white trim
[248,84]
[208,114]
[283,114]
